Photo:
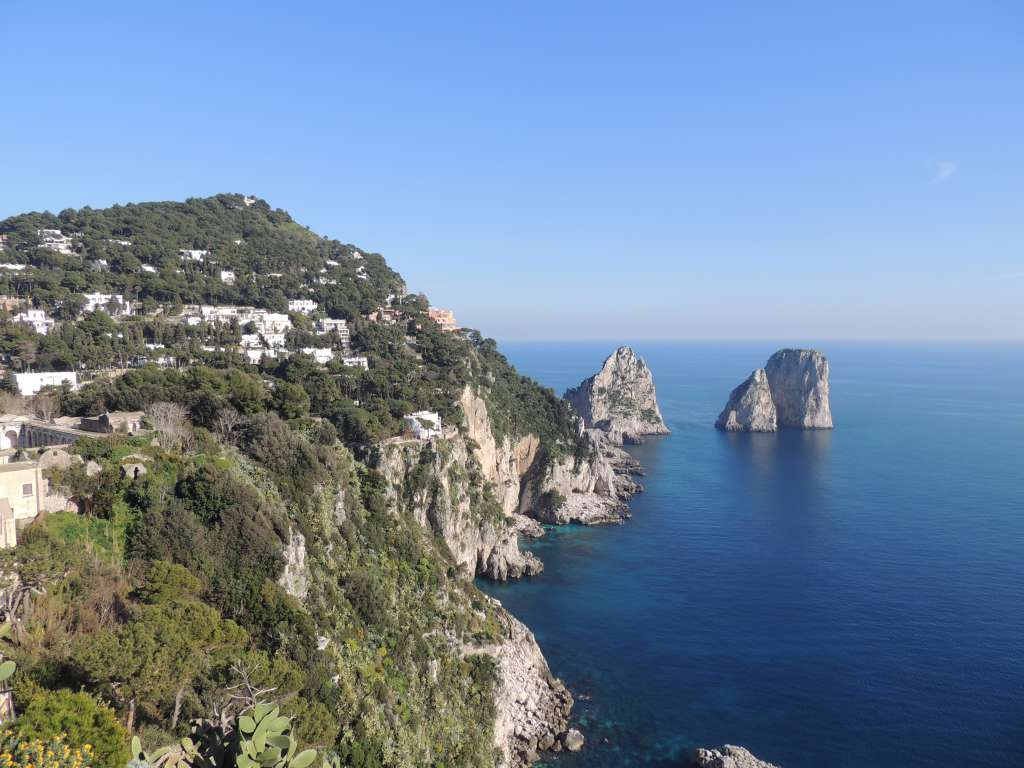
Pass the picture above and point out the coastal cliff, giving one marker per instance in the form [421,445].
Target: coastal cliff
[589,486]
[791,391]
[620,399]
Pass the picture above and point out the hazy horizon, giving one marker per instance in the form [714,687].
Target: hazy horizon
[579,172]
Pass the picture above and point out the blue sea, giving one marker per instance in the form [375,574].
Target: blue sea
[851,598]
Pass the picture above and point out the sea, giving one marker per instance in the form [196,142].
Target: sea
[848,598]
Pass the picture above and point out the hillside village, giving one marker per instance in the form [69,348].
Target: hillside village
[144,326]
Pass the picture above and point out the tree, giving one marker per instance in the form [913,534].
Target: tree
[171,421]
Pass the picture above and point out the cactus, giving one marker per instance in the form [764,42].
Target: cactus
[7,667]
[261,739]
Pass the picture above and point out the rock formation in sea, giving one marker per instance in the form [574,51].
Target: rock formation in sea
[620,399]
[750,407]
[790,391]
[728,757]
[799,382]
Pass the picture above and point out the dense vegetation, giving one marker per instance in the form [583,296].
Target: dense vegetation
[166,600]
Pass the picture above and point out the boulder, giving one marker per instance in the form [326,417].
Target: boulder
[728,757]
[620,399]
[750,407]
[573,740]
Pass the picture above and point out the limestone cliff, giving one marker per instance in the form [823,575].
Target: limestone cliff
[792,390]
[620,399]
[728,757]
[589,488]
[533,705]
[750,407]
[799,382]
[441,485]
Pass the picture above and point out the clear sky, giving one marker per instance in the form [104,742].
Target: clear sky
[562,170]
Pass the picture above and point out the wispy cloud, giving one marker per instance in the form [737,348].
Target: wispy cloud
[944,171]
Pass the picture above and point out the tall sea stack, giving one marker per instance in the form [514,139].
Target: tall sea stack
[620,399]
[790,391]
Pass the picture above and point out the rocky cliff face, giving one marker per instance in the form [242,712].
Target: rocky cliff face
[533,705]
[588,489]
[440,483]
[799,382]
[790,391]
[728,757]
[750,407]
[620,399]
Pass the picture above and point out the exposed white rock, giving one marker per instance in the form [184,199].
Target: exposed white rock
[295,576]
[750,407]
[482,541]
[790,391]
[728,757]
[533,705]
[592,489]
[620,399]
[799,383]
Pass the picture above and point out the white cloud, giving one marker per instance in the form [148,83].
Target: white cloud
[944,171]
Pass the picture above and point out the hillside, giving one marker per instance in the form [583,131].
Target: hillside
[279,534]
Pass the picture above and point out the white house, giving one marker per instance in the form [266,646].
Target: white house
[13,267]
[193,254]
[255,355]
[339,327]
[30,383]
[304,306]
[36,318]
[227,277]
[149,268]
[424,424]
[322,355]
[112,302]
[54,240]
[356,362]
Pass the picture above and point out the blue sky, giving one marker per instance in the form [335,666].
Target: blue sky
[679,170]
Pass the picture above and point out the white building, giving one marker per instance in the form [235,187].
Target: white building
[54,240]
[109,302]
[193,254]
[30,383]
[323,355]
[304,306]
[149,268]
[251,341]
[339,327]
[227,277]
[357,361]
[424,424]
[36,318]
[13,267]
[255,355]
[124,243]
[361,273]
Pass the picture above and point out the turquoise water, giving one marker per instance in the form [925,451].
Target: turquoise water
[846,598]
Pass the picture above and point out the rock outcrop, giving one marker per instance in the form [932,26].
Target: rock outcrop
[441,484]
[799,382]
[728,757]
[620,399]
[533,705]
[589,490]
[750,407]
[790,391]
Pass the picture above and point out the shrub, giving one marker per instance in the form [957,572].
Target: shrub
[74,720]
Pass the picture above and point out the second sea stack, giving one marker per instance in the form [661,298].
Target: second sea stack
[791,391]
